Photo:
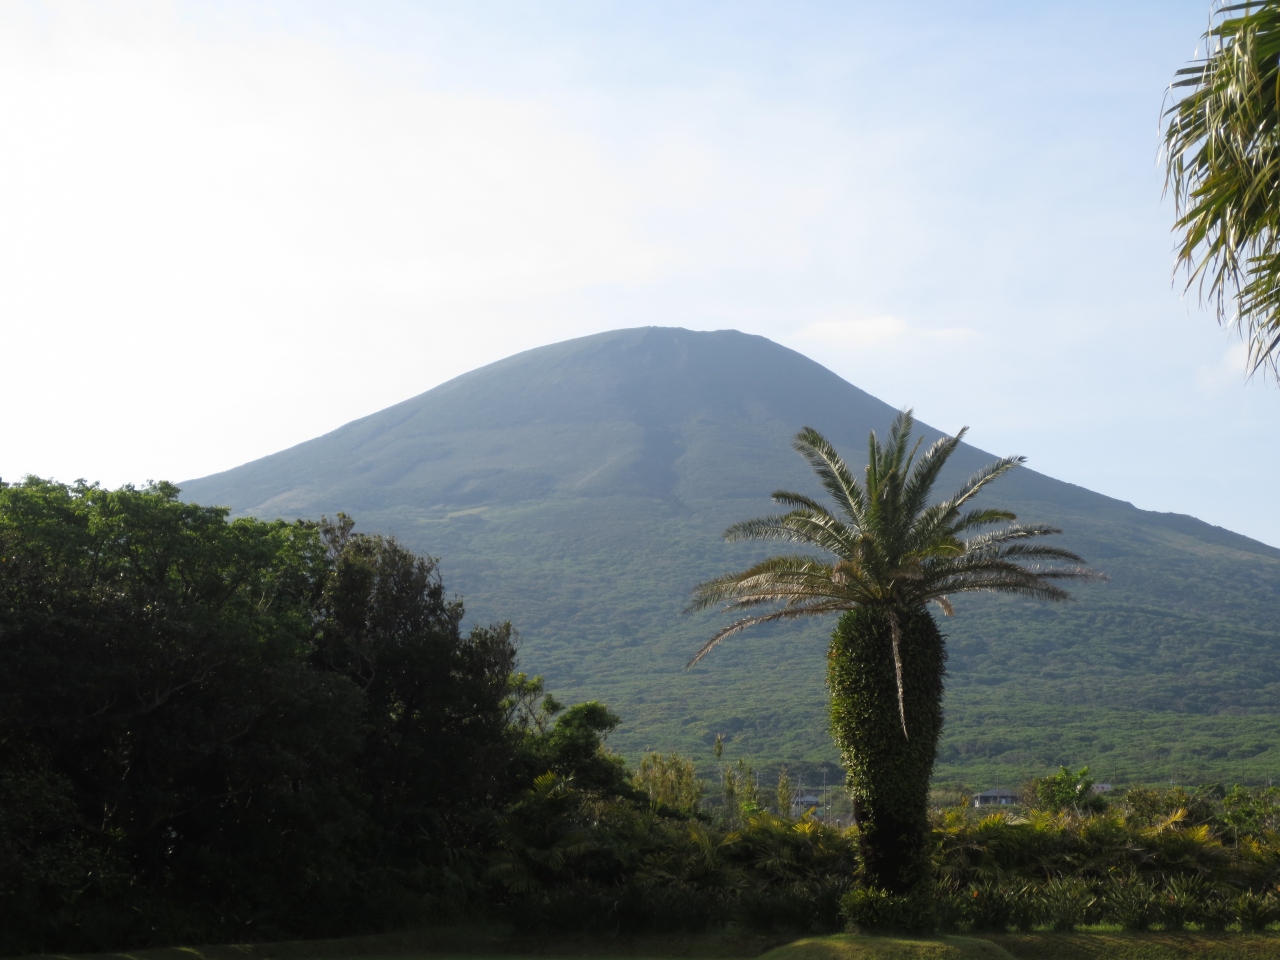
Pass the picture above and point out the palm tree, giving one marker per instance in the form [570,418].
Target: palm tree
[890,552]
[1222,155]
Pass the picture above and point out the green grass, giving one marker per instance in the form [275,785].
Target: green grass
[494,944]
[1139,946]
[848,946]
[1037,946]
[469,942]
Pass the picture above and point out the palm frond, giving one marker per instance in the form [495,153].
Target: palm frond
[774,579]
[833,473]
[1034,588]
[798,501]
[786,613]
[820,530]
[988,474]
[981,518]
[1222,164]
[920,486]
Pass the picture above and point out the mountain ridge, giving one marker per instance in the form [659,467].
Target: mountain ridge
[579,489]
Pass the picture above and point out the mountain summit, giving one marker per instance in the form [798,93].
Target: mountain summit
[579,490]
[650,412]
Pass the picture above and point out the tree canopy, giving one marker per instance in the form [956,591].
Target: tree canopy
[219,726]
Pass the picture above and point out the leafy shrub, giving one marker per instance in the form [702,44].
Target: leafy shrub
[1216,912]
[1027,906]
[670,781]
[868,909]
[804,906]
[950,909]
[1065,903]
[987,908]
[1256,911]
[1132,902]
[1187,900]
[1064,791]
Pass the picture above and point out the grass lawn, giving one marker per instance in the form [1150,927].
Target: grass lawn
[497,944]
[1140,946]
[467,943]
[1036,946]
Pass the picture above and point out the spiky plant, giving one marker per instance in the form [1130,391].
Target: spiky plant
[1222,155]
[888,550]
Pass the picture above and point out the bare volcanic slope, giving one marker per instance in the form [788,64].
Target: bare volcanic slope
[580,489]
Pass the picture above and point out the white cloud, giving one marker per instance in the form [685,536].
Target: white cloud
[872,332]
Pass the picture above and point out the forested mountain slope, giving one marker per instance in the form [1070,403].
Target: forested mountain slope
[580,490]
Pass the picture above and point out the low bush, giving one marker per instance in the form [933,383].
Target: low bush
[1256,911]
[1065,903]
[982,908]
[1132,902]
[1189,900]
[869,910]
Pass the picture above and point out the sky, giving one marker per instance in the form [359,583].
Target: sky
[226,228]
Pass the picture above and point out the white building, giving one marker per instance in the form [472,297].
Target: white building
[996,798]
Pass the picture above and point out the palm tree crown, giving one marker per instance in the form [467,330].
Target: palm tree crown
[1222,155]
[889,545]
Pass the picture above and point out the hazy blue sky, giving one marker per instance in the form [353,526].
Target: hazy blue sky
[227,228]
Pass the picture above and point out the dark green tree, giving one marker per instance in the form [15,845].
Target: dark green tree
[154,678]
[1065,790]
[214,729]
[439,742]
[573,748]
[888,550]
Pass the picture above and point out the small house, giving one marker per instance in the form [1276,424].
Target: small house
[803,803]
[996,798]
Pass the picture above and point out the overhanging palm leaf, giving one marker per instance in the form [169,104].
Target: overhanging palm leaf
[887,545]
[1222,155]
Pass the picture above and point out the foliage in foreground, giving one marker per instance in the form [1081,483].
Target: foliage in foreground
[1152,862]
[214,731]
[209,728]
[578,859]
[1158,858]
[573,861]
[247,730]
[1223,145]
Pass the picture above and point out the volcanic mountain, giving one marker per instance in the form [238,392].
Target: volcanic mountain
[580,489]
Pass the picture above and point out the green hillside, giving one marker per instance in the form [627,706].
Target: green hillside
[580,489]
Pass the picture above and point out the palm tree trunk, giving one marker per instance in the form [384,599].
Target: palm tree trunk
[888,744]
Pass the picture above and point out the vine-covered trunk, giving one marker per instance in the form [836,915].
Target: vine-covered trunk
[888,773]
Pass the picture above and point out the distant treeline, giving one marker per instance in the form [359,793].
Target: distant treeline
[215,731]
